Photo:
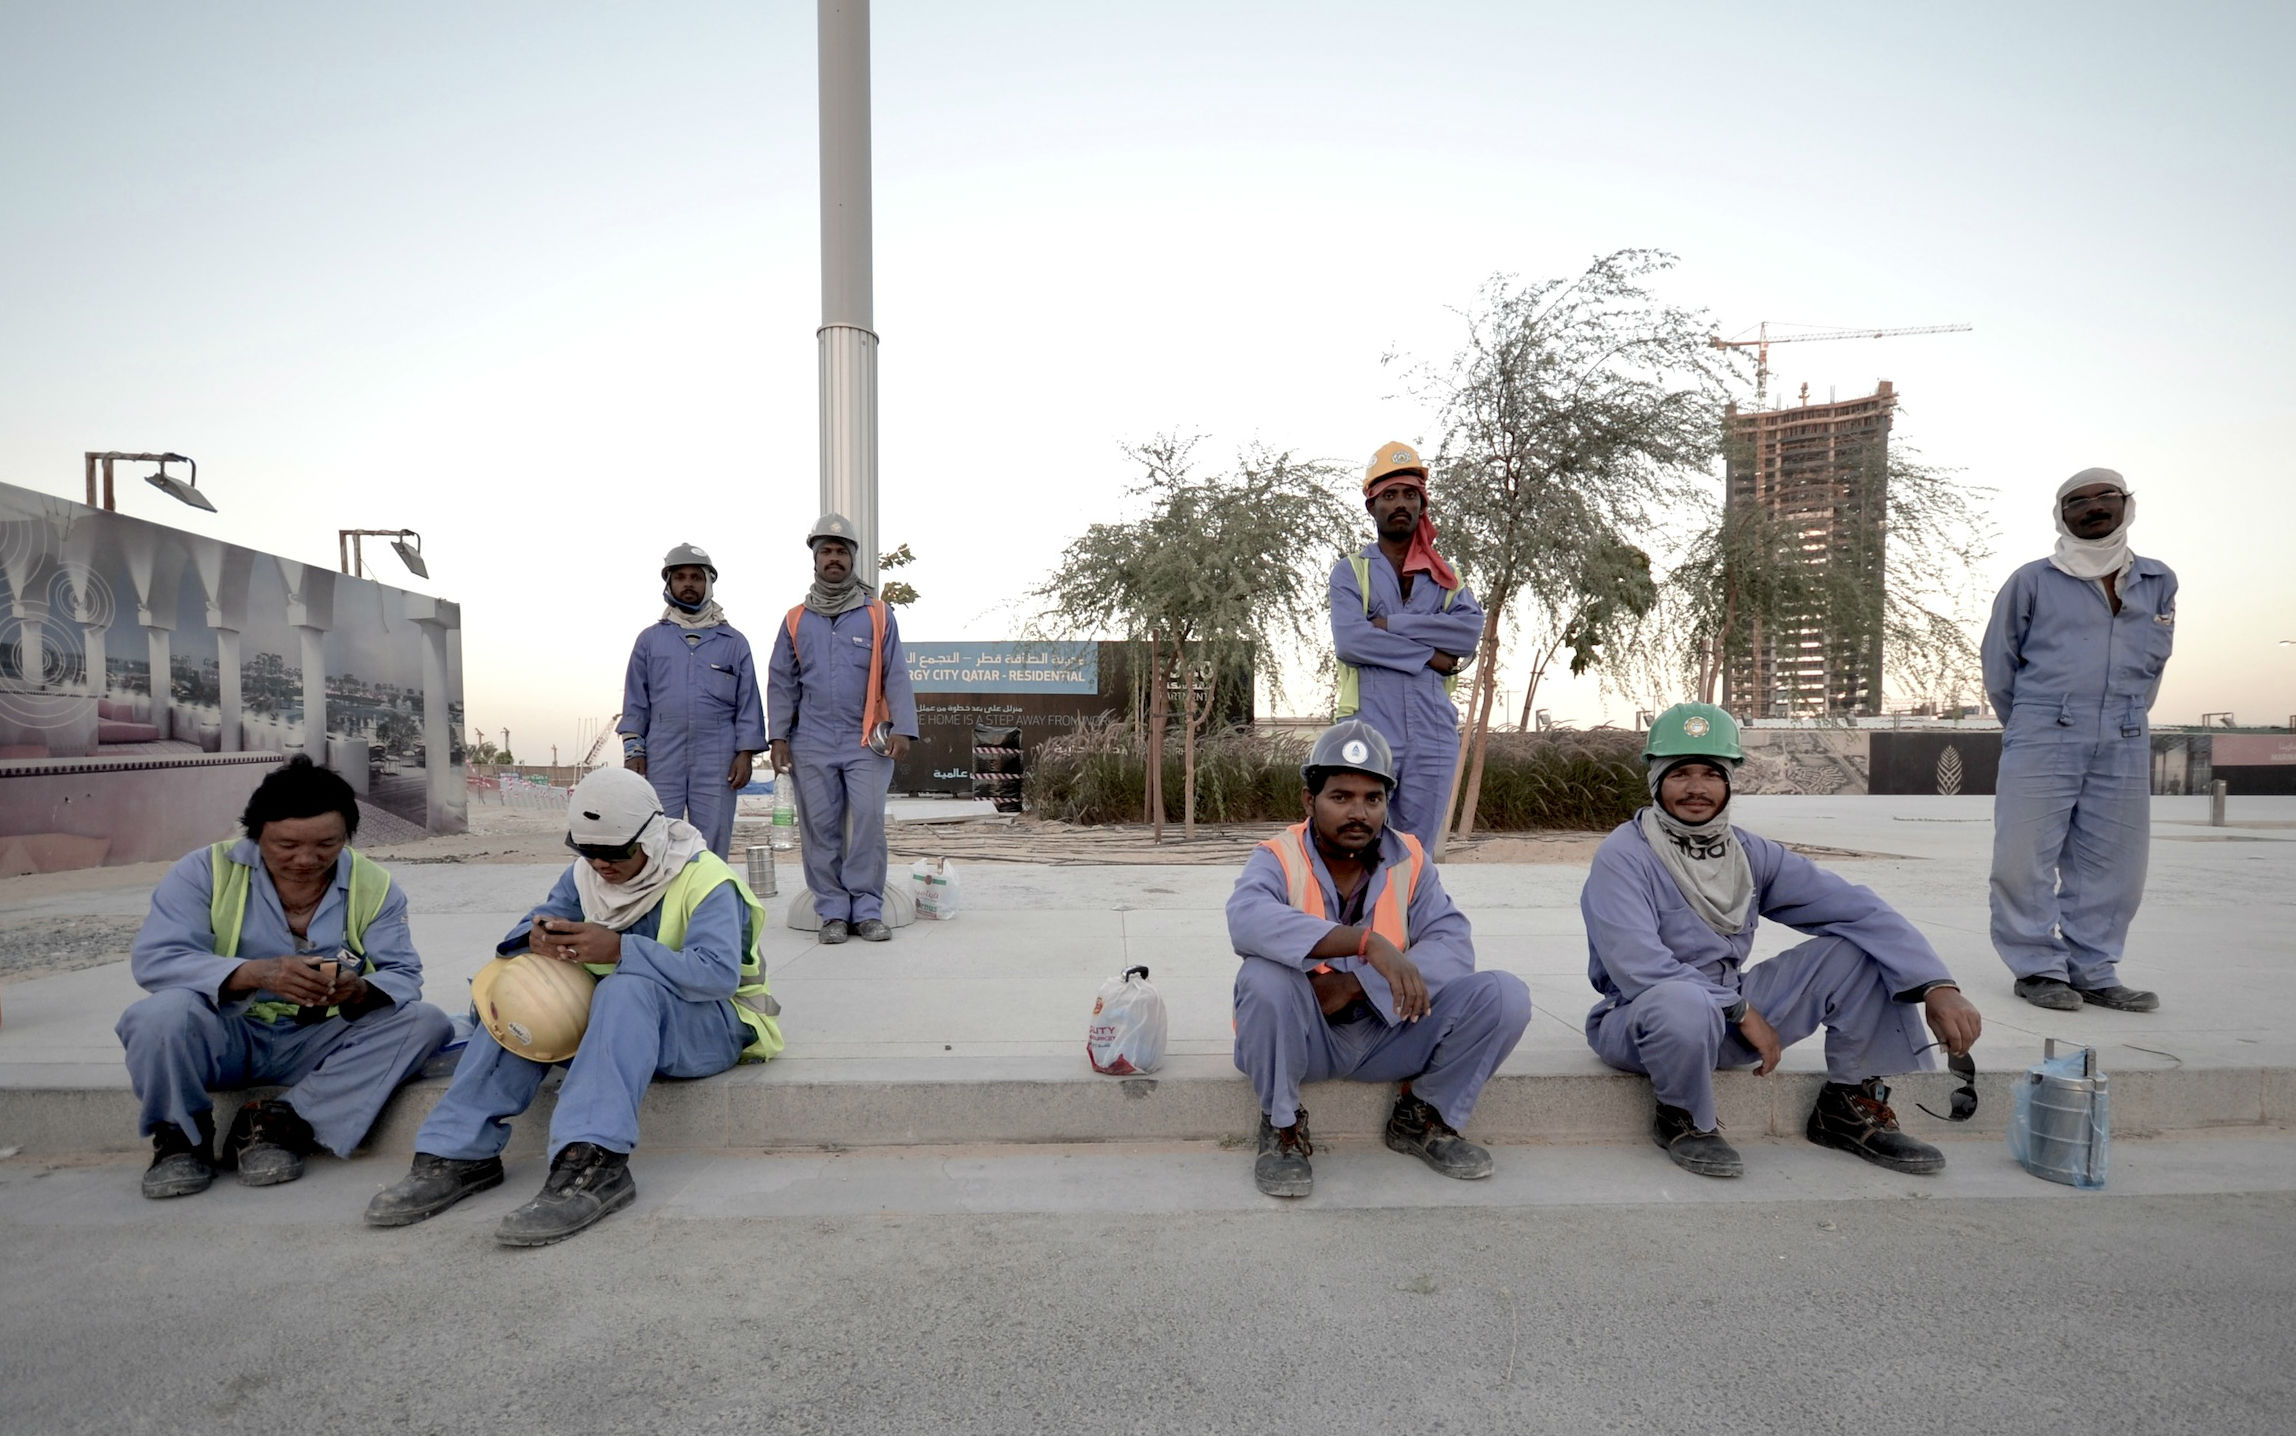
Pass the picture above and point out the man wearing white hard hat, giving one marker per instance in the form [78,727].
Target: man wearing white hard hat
[692,723]
[2073,661]
[671,934]
[842,713]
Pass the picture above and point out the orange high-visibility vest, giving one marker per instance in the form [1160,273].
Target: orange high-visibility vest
[1389,916]
[875,709]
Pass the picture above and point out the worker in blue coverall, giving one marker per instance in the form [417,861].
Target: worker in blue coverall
[281,957]
[1403,625]
[1357,965]
[691,721]
[1671,905]
[2073,661]
[674,933]
[841,714]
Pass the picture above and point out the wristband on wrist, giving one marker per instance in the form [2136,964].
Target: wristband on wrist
[633,746]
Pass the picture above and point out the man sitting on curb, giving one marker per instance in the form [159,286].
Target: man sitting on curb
[1357,965]
[281,957]
[1671,906]
[682,993]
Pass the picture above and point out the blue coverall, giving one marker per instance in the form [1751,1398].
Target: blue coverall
[2074,684]
[1667,979]
[818,697]
[1401,696]
[187,1037]
[692,695]
[1473,1021]
[663,1011]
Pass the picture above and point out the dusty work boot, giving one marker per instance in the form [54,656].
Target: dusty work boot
[834,931]
[1856,1117]
[430,1186]
[1418,1130]
[1282,1169]
[2054,993]
[180,1166]
[1704,1153]
[586,1183]
[267,1143]
[873,929]
[2120,999]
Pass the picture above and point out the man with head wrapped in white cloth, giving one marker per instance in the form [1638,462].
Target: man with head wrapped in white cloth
[672,935]
[2073,661]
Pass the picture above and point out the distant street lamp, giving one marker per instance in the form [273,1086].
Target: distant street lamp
[354,561]
[167,483]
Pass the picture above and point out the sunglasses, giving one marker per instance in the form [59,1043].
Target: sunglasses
[605,852]
[2110,497]
[1964,1104]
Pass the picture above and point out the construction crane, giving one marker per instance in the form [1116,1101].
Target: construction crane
[598,744]
[1763,339]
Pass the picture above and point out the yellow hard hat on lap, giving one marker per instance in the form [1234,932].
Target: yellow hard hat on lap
[535,1006]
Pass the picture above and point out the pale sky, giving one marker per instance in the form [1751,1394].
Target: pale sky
[541,281]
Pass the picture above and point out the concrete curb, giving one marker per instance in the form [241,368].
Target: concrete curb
[826,1104]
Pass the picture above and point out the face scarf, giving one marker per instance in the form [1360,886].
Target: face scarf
[830,600]
[1706,860]
[615,805]
[2094,558]
[1420,557]
[705,614]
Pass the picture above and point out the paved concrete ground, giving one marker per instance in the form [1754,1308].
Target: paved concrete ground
[1148,1289]
[972,1029]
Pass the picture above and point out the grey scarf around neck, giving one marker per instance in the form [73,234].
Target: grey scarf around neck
[830,601]
[1706,861]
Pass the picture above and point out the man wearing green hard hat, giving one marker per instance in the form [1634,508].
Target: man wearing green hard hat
[1671,907]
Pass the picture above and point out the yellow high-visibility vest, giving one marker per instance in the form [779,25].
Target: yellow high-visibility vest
[1351,677]
[228,882]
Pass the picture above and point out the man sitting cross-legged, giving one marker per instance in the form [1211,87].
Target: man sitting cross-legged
[1357,965]
[1671,906]
[673,934]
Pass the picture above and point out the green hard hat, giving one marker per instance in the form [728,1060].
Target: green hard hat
[1694,730]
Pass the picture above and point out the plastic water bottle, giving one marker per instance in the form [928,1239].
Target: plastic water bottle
[783,838]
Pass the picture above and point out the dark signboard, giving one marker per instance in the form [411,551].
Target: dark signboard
[1043,689]
[1916,761]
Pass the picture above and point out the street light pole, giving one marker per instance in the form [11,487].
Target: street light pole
[848,336]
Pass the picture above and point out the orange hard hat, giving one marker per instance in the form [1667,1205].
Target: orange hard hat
[1395,458]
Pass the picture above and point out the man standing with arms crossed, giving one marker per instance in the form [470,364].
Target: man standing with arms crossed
[691,720]
[2073,661]
[1403,624]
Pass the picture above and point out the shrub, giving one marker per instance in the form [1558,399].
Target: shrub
[1246,775]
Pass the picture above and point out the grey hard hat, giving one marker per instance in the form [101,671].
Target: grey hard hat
[687,555]
[1354,745]
[835,526]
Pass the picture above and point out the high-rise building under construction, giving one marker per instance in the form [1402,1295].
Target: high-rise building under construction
[1818,475]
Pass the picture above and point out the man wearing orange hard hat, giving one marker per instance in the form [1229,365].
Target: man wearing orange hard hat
[1403,625]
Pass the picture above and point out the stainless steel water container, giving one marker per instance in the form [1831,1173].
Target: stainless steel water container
[761,870]
[2060,1126]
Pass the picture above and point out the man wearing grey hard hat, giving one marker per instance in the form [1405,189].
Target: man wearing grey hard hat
[841,714]
[692,723]
[1357,965]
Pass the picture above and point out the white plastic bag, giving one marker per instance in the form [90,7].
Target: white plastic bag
[1127,1031]
[933,881]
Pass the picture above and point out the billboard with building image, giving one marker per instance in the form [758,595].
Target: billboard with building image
[148,674]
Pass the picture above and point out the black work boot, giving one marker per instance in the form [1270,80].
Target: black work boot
[586,1183]
[180,1166]
[2120,999]
[1282,1169]
[2054,993]
[1418,1130]
[1856,1117]
[834,931]
[873,929]
[1704,1153]
[430,1186]
[267,1143]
